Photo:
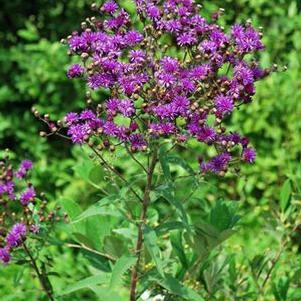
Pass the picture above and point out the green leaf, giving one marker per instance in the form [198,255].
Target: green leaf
[96,210]
[150,241]
[222,217]
[179,161]
[178,248]
[102,278]
[97,261]
[280,289]
[285,194]
[178,289]
[105,294]
[164,164]
[115,246]
[168,226]
[71,208]
[120,268]
[166,192]
[100,209]
[30,33]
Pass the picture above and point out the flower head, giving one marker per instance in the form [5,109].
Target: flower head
[4,255]
[249,155]
[28,195]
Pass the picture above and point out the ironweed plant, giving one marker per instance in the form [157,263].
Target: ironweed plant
[170,80]
[25,221]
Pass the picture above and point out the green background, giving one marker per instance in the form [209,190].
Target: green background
[33,66]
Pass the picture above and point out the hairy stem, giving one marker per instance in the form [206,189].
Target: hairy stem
[145,204]
[39,274]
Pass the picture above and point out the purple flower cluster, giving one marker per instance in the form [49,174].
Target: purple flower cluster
[19,211]
[10,177]
[157,92]
[13,239]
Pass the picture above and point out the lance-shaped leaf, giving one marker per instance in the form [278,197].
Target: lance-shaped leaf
[150,241]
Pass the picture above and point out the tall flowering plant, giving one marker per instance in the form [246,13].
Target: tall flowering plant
[25,221]
[171,80]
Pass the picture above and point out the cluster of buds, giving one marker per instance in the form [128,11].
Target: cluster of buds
[22,212]
[179,78]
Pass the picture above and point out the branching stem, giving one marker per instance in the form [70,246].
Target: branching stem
[40,275]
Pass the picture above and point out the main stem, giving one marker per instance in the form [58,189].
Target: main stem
[145,204]
[39,274]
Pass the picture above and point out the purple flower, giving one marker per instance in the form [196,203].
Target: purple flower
[100,80]
[79,132]
[249,155]
[206,134]
[153,12]
[162,128]
[133,37]
[166,79]
[137,56]
[186,39]
[137,142]
[15,236]
[217,164]
[8,188]
[172,26]
[181,105]
[208,46]
[28,195]
[5,255]
[219,38]
[71,118]
[224,105]
[169,64]
[87,115]
[109,7]
[246,39]
[243,74]
[76,43]
[75,70]
[200,72]
[126,108]
[25,166]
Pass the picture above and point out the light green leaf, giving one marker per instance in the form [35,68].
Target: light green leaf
[95,210]
[100,279]
[120,268]
[100,209]
[105,294]
[166,193]
[150,241]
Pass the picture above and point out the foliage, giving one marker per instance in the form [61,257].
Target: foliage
[260,210]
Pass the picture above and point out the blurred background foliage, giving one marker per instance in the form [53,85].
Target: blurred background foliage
[33,65]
